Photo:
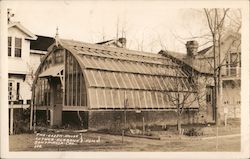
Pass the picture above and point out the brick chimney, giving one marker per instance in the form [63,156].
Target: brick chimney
[192,48]
[123,42]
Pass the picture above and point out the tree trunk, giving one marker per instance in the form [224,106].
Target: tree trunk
[179,124]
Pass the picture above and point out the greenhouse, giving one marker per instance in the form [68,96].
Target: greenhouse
[95,85]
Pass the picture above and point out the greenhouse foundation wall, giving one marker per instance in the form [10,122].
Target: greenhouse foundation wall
[114,120]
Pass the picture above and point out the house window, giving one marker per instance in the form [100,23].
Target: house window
[9,46]
[209,95]
[17,91]
[18,47]
[233,63]
[11,90]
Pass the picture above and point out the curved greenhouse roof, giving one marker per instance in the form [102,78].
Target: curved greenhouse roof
[114,78]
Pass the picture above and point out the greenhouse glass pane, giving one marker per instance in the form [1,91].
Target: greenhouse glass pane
[128,66]
[155,83]
[106,78]
[134,85]
[115,96]
[160,70]
[130,99]
[114,80]
[162,81]
[119,65]
[108,64]
[160,99]
[183,84]
[116,65]
[86,61]
[127,80]
[141,99]
[145,80]
[93,98]
[136,99]
[135,66]
[101,63]
[98,78]
[145,68]
[139,81]
[148,100]
[121,97]
[109,100]
[165,100]
[120,80]
[154,99]
[159,82]
[93,63]
[139,67]
[134,81]
[169,83]
[101,98]
[83,94]
[90,77]
[150,68]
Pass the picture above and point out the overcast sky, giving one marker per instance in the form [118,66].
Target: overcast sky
[148,25]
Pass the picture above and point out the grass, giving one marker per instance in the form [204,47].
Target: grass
[170,141]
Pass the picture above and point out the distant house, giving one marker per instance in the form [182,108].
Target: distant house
[204,72]
[93,85]
[202,61]
[38,48]
[19,39]
[25,51]
[231,73]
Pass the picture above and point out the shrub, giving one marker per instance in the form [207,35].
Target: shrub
[193,132]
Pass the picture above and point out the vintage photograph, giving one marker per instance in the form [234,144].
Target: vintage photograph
[124,76]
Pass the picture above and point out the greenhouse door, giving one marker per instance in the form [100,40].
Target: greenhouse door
[57,96]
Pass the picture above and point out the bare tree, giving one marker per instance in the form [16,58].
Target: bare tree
[220,23]
[216,20]
[186,92]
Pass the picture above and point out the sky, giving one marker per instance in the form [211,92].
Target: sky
[148,25]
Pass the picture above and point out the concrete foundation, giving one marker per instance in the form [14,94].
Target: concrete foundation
[115,119]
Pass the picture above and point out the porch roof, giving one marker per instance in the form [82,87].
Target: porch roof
[52,71]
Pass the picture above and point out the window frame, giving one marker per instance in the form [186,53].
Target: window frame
[9,46]
[18,48]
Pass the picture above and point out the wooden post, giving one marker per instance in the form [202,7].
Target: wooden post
[11,118]
[122,136]
[125,107]
[143,126]
[31,114]
[217,133]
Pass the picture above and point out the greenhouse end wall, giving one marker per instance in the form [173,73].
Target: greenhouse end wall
[114,120]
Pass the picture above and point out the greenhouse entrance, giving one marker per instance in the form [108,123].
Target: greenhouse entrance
[57,89]
[52,80]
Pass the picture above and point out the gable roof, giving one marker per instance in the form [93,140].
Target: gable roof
[229,34]
[204,51]
[42,43]
[31,36]
[195,63]
[120,42]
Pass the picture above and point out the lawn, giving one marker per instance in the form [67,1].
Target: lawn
[168,142]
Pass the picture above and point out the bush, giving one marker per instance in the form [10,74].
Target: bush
[193,132]
[21,121]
